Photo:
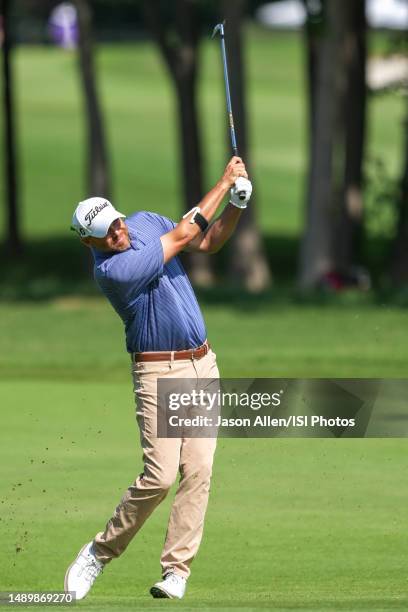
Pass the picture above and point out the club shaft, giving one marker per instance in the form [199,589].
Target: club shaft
[228,94]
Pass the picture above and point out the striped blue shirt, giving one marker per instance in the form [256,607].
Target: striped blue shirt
[155,300]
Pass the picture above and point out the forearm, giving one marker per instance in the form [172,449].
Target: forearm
[186,232]
[221,230]
[208,207]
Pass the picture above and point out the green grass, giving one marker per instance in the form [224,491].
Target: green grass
[292,524]
[74,339]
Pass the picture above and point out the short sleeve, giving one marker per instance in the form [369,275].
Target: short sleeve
[165,223]
[132,271]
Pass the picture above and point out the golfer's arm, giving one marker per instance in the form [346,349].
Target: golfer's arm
[185,232]
[219,231]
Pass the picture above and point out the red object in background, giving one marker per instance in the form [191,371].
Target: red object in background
[355,278]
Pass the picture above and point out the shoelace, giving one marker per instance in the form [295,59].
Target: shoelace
[172,577]
[92,569]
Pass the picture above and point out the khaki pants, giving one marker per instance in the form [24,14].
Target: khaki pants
[163,458]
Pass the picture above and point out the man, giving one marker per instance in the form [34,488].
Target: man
[137,268]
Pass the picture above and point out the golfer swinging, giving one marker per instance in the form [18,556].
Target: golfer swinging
[137,268]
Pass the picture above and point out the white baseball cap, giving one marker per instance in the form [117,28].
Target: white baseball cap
[93,217]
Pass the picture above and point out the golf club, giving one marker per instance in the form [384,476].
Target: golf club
[220,28]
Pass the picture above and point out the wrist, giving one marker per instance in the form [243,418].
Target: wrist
[225,184]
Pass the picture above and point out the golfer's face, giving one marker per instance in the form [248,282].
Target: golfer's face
[117,238]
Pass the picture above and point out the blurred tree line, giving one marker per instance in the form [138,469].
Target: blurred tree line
[113,19]
[335,37]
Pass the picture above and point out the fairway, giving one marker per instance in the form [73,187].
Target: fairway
[75,339]
[292,524]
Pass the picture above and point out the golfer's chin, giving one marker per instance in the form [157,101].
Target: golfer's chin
[120,245]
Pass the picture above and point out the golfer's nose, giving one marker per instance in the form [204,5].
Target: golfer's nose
[115,231]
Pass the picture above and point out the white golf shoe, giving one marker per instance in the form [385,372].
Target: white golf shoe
[83,572]
[172,586]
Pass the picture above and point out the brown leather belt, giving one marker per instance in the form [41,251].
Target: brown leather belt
[193,354]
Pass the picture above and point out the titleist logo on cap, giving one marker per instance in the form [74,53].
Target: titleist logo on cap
[90,216]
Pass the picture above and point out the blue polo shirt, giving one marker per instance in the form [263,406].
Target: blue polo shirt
[155,300]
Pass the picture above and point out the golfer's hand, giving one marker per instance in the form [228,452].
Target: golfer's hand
[235,168]
[241,192]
